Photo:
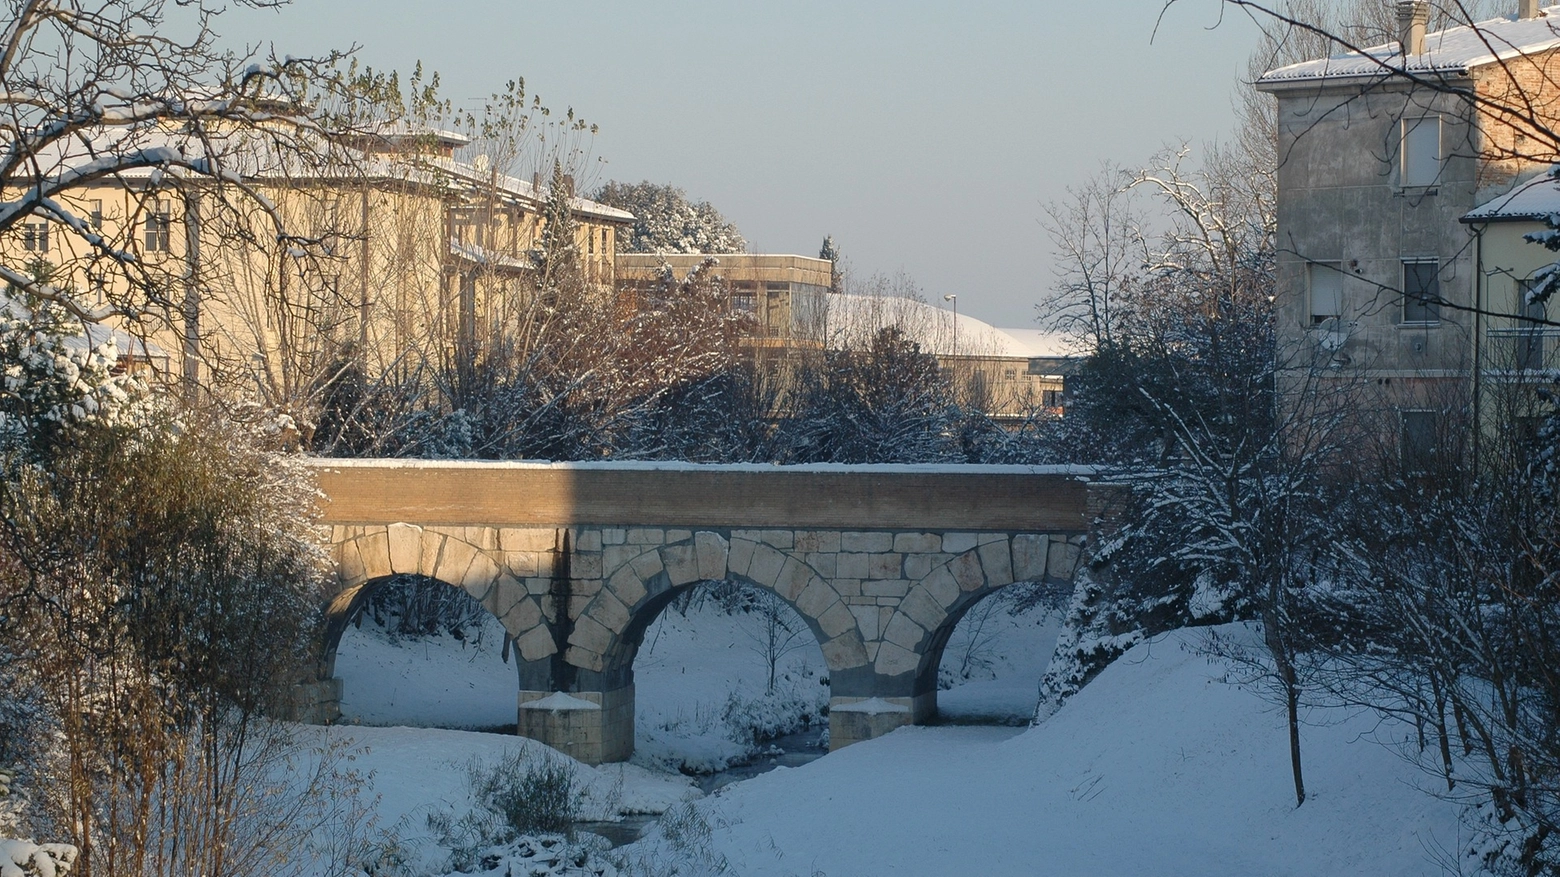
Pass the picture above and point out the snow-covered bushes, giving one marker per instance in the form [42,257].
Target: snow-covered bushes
[24,858]
[521,821]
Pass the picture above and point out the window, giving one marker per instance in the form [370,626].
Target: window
[35,236]
[1530,329]
[1325,281]
[1418,442]
[1421,291]
[1051,398]
[95,213]
[744,303]
[159,228]
[1010,374]
[1419,156]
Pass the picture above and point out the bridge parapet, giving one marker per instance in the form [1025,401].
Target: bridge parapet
[577,593]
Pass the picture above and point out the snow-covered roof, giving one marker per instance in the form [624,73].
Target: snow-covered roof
[1042,342]
[853,319]
[483,256]
[1451,52]
[252,154]
[522,189]
[1536,199]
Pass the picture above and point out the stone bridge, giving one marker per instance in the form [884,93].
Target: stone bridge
[577,560]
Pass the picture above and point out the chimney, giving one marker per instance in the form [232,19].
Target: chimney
[1527,9]
[1412,16]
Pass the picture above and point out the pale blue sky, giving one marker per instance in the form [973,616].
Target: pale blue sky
[925,136]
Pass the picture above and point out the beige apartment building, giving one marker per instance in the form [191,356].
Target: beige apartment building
[1383,155]
[797,310]
[392,244]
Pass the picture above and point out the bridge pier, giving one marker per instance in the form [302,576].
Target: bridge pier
[880,567]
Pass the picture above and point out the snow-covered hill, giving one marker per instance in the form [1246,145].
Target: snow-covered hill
[1158,767]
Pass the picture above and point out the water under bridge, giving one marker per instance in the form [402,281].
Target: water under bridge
[576,561]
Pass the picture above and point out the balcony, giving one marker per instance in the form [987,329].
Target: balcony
[1522,351]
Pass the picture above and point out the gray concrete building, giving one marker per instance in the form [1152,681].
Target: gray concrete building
[1381,153]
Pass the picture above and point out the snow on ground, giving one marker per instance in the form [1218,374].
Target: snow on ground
[1158,767]
[700,685]
[436,681]
[410,774]
[994,661]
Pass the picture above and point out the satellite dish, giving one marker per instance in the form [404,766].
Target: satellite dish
[1333,333]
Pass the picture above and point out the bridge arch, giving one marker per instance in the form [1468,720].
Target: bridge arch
[879,562]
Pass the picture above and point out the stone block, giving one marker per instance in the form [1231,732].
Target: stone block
[432,547]
[500,594]
[480,573]
[454,560]
[1029,553]
[866,542]
[678,536]
[872,650]
[895,661]
[917,543]
[627,586]
[885,615]
[591,635]
[585,565]
[608,610]
[836,620]
[917,566]
[997,562]
[481,538]
[941,586]
[537,585]
[922,609]
[588,587]
[765,565]
[614,536]
[349,563]
[740,556]
[966,571]
[645,536]
[866,621]
[844,652]
[405,547]
[886,588]
[374,545]
[527,538]
[784,540]
[848,727]
[889,565]
[584,658]
[522,616]
[816,598]
[902,631]
[521,563]
[614,556]
[846,587]
[647,565]
[794,576]
[958,543]
[587,539]
[1063,560]
[851,566]
[824,563]
[536,644]
[682,563]
[710,550]
[817,541]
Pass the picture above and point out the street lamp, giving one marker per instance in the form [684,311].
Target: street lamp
[950,297]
